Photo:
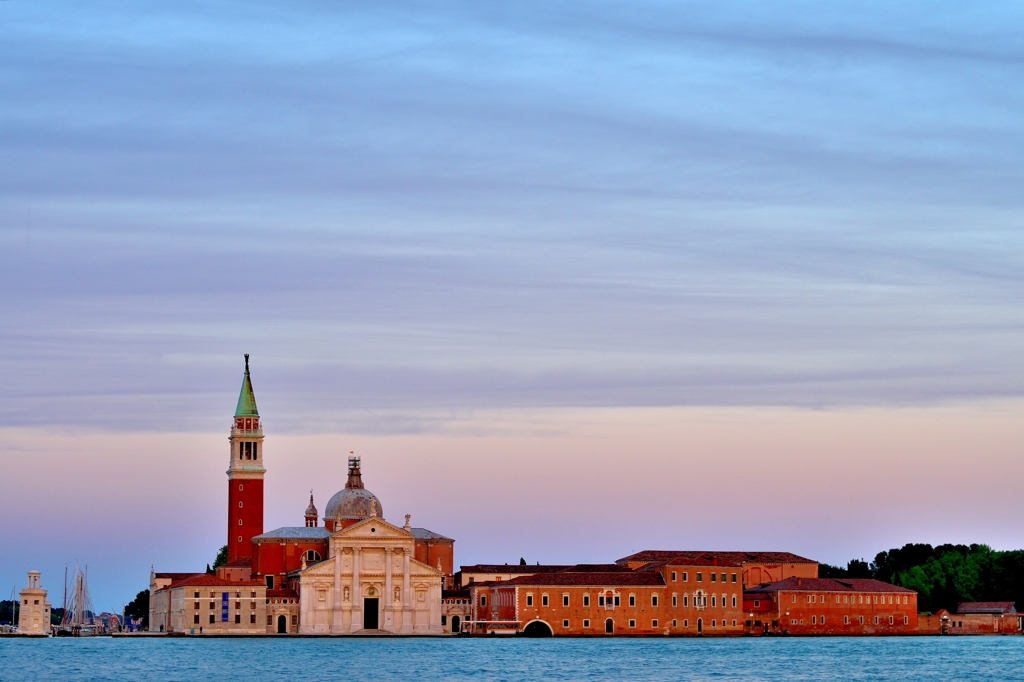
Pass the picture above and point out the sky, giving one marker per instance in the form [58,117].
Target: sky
[573,279]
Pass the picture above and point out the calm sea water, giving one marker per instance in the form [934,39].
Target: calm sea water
[382,659]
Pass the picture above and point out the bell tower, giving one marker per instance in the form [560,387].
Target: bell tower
[245,474]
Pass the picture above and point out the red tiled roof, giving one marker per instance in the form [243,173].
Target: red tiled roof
[709,559]
[617,578]
[282,594]
[174,576]
[547,568]
[513,568]
[244,562]
[828,585]
[207,580]
[986,607]
[739,558]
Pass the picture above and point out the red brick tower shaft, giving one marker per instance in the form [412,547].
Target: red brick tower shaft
[245,474]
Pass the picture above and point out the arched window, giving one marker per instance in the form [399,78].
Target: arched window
[312,555]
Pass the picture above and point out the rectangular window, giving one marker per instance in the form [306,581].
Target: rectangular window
[686,600]
[654,600]
[270,582]
[890,620]
[483,600]
[544,600]
[846,620]
[252,618]
[654,623]
[196,607]
[195,619]
[632,623]
[238,604]
[586,622]
[675,600]
[195,595]
[616,600]
[734,601]
[906,621]
[238,618]
[674,623]
[213,605]
[700,577]
[734,577]
[632,600]
[876,620]
[211,619]
[862,620]
[270,620]
[757,604]
[714,623]
[565,623]
[565,600]
[713,599]
[814,620]
[823,620]
[714,577]
[723,580]
[673,576]
[600,600]
[586,600]
[685,576]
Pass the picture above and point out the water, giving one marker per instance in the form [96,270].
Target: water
[383,659]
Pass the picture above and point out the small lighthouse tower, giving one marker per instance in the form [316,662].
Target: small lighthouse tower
[245,474]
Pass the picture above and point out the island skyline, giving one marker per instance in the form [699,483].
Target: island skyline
[574,281]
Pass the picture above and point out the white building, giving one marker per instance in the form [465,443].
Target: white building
[35,610]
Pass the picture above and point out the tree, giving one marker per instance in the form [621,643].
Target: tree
[139,608]
[222,557]
[522,561]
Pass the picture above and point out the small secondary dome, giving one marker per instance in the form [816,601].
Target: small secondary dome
[355,501]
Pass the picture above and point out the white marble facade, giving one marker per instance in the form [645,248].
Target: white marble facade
[370,582]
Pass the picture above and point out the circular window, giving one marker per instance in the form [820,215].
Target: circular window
[373,530]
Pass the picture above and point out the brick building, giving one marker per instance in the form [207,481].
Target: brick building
[188,602]
[974,618]
[826,606]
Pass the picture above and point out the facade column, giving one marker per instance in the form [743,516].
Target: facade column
[357,593]
[407,624]
[337,621]
[389,595]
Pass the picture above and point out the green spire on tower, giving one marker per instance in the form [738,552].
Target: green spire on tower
[246,398]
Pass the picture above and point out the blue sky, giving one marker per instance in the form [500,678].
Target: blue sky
[413,211]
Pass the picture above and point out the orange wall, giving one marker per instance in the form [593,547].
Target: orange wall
[787,607]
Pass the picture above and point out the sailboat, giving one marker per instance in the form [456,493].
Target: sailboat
[78,614]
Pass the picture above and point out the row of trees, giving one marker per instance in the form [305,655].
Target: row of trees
[944,575]
[7,613]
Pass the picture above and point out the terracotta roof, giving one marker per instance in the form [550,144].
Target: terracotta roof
[174,576]
[709,559]
[244,562]
[207,580]
[549,568]
[738,557]
[828,585]
[618,578]
[282,594]
[986,607]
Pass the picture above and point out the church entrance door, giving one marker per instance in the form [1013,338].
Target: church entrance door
[371,620]
[455,624]
[282,625]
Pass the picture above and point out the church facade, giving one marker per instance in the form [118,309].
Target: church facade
[355,573]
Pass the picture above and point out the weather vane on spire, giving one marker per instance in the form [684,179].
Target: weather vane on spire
[246,362]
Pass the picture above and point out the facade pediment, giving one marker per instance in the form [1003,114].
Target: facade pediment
[373,528]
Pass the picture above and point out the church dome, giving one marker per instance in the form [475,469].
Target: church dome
[354,501]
